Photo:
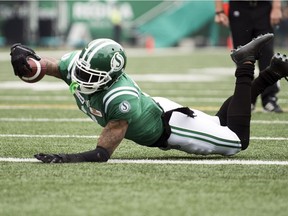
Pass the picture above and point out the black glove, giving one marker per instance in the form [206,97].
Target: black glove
[50,158]
[19,54]
[60,158]
[99,154]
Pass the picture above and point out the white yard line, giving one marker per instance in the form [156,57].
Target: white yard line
[48,136]
[201,162]
[95,136]
[45,120]
[186,162]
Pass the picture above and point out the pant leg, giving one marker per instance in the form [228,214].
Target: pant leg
[201,135]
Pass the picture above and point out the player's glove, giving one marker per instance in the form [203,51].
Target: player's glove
[60,158]
[99,154]
[19,54]
[50,158]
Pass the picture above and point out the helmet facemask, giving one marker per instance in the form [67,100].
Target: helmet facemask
[99,65]
[89,80]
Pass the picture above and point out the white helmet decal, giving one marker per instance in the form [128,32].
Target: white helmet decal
[117,62]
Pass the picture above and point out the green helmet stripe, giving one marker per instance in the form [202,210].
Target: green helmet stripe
[95,50]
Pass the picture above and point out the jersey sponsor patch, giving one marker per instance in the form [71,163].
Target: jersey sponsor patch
[124,107]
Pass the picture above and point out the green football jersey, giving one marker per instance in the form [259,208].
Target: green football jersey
[124,100]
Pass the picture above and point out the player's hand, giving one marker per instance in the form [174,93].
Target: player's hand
[19,54]
[222,19]
[50,158]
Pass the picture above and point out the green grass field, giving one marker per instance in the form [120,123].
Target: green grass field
[43,118]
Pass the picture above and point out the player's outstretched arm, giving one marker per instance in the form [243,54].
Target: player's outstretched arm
[52,66]
[110,138]
[20,55]
[112,135]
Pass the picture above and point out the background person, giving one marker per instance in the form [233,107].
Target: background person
[247,20]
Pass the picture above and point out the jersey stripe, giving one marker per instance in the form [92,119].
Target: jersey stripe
[119,89]
[206,137]
[119,94]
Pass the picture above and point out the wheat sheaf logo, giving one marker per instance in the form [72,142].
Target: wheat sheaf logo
[117,62]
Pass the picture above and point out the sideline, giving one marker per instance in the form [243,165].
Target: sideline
[186,162]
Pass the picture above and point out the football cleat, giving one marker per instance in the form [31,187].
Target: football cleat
[279,65]
[272,106]
[250,51]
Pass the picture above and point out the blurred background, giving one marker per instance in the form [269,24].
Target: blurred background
[150,24]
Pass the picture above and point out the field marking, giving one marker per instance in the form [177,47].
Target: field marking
[38,106]
[185,162]
[45,120]
[96,136]
[194,75]
[153,78]
[269,122]
[89,120]
[201,162]
[48,136]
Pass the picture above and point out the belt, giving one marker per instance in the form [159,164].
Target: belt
[162,141]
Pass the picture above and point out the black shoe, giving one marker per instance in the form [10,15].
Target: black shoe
[272,106]
[279,65]
[251,50]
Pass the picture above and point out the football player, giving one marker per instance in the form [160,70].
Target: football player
[104,92]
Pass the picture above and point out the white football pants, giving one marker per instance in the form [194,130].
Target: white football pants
[202,134]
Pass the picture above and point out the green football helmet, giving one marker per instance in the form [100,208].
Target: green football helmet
[99,65]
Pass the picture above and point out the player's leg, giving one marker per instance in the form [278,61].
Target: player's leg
[239,110]
[241,23]
[167,105]
[263,25]
[269,95]
[201,134]
[277,69]
[238,107]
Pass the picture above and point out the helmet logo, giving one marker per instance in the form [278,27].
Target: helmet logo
[117,62]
